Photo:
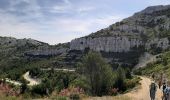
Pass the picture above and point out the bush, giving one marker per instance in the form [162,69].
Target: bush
[45,88]
[23,88]
[138,72]
[60,98]
[74,97]
[132,83]
[39,89]
[80,82]
[98,73]
[114,91]
[128,73]
[120,79]
[34,72]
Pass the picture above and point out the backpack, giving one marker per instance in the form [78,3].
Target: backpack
[164,87]
[167,90]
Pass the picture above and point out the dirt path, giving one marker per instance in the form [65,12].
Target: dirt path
[13,82]
[31,80]
[60,69]
[142,93]
[139,93]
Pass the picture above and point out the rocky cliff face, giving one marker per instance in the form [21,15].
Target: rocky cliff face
[116,44]
[146,28]
[107,44]
[162,43]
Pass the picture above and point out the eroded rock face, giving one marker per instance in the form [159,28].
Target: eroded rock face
[115,44]
[161,43]
[107,44]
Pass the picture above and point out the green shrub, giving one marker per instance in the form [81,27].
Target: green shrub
[60,98]
[120,79]
[74,97]
[132,83]
[80,82]
[98,73]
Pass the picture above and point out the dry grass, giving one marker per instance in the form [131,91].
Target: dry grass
[121,97]
[3,97]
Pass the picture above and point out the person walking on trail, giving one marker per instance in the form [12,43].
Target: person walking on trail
[153,76]
[153,89]
[167,91]
[163,90]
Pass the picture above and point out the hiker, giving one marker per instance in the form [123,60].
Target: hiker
[153,89]
[163,90]
[167,91]
[153,76]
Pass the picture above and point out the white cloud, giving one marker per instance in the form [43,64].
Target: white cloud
[60,9]
[66,29]
[12,26]
[64,7]
[17,25]
[83,26]
[85,9]
[68,7]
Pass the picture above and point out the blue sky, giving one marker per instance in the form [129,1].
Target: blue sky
[59,21]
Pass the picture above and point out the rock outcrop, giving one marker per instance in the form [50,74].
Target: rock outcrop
[107,44]
[159,43]
[116,44]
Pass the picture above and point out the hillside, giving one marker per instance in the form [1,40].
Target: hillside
[19,55]
[145,31]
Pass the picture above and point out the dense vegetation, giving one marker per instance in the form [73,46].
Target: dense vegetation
[93,77]
[102,78]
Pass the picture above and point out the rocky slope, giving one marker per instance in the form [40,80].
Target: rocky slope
[30,47]
[146,28]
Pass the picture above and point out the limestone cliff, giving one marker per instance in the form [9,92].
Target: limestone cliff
[146,28]
[107,44]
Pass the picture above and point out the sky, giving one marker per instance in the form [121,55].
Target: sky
[59,21]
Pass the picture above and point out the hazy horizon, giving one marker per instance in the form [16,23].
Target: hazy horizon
[60,21]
